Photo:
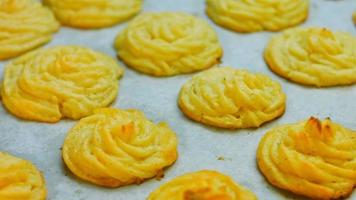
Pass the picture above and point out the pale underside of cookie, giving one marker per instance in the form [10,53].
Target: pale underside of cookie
[230,98]
[165,44]
[19,179]
[24,25]
[94,13]
[204,185]
[59,82]
[252,16]
[313,56]
[312,158]
[113,148]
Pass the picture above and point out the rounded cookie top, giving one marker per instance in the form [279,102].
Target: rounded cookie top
[93,13]
[313,56]
[252,16]
[312,158]
[204,185]
[24,25]
[165,44]
[19,179]
[115,147]
[59,82]
[230,98]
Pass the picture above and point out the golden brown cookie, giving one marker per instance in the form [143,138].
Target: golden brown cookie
[115,147]
[312,158]
[313,56]
[24,25]
[165,44]
[230,98]
[93,13]
[202,185]
[60,82]
[20,180]
[252,16]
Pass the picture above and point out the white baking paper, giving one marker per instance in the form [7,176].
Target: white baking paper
[200,146]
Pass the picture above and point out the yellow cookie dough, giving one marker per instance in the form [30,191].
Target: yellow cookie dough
[115,147]
[202,185]
[93,13]
[24,25]
[20,180]
[230,98]
[252,15]
[312,158]
[165,44]
[313,56]
[59,82]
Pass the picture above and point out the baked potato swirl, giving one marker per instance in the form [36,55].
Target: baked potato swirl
[24,25]
[313,56]
[93,13]
[202,185]
[312,158]
[166,43]
[60,82]
[114,147]
[230,98]
[257,15]
[20,179]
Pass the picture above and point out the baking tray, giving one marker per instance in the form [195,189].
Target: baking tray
[200,147]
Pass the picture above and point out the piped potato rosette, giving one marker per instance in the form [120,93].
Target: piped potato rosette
[230,98]
[313,56]
[24,25]
[59,82]
[313,158]
[257,15]
[20,179]
[114,147]
[167,43]
[93,13]
[202,185]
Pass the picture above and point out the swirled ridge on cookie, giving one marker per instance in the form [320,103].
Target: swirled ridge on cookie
[164,44]
[59,82]
[230,98]
[93,13]
[19,179]
[115,147]
[257,15]
[313,56]
[312,158]
[204,185]
[24,25]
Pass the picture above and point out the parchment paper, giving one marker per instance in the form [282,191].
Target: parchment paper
[199,146]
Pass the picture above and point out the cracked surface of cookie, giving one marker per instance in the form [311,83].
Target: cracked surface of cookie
[168,43]
[257,15]
[59,82]
[312,158]
[114,147]
[20,179]
[24,25]
[93,13]
[230,98]
[202,185]
[313,56]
